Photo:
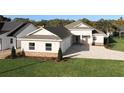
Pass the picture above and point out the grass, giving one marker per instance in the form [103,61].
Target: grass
[117,44]
[25,67]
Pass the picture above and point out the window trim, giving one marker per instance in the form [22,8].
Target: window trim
[48,48]
[31,47]
[94,38]
[11,40]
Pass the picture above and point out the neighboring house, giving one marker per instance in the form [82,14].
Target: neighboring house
[121,30]
[10,31]
[85,34]
[46,41]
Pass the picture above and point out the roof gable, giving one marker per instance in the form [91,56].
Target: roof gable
[81,25]
[43,31]
[78,25]
[58,32]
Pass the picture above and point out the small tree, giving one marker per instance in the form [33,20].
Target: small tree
[23,53]
[13,53]
[60,55]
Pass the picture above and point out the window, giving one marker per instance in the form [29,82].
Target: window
[31,46]
[48,46]
[11,41]
[94,38]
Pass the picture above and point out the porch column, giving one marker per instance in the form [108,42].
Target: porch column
[81,38]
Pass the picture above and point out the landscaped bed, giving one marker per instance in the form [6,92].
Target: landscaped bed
[70,67]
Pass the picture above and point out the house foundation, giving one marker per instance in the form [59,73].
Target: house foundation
[41,54]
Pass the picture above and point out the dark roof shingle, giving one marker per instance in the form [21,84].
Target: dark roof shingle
[14,27]
[8,26]
[60,31]
[19,29]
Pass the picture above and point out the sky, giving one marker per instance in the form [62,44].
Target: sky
[74,17]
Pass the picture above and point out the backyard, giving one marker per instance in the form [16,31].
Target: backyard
[25,67]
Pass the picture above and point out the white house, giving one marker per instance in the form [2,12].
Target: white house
[121,30]
[10,31]
[85,34]
[46,41]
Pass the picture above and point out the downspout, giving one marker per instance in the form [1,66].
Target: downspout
[1,44]
[16,42]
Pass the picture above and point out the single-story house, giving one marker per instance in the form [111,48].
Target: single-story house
[46,41]
[10,31]
[121,30]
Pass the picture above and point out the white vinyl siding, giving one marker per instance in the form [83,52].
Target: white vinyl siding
[98,39]
[66,43]
[43,32]
[83,32]
[40,46]
[5,41]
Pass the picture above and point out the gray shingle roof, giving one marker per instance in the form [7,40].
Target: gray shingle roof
[14,27]
[60,31]
[8,26]
[1,25]
[19,29]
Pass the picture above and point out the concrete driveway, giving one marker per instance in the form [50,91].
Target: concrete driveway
[96,52]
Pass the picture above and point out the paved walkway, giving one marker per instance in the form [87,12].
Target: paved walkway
[5,53]
[96,52]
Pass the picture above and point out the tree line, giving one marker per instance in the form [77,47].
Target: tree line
[102,24]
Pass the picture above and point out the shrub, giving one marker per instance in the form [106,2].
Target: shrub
[13,53]
[23,53]
[60,55]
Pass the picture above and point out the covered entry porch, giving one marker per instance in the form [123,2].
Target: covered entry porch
[81,39]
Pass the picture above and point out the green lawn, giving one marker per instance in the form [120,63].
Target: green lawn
[117,44]
[71,67]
